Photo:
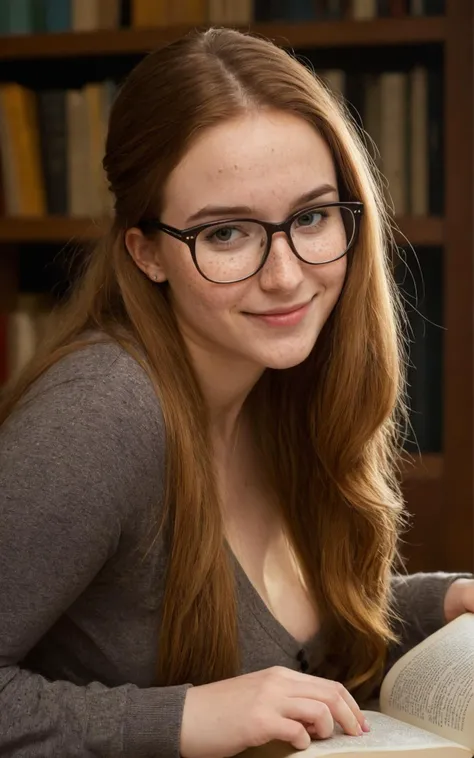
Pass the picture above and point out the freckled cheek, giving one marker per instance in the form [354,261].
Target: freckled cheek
[195,295]
[331,277]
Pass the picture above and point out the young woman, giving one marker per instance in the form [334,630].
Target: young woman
[199,510]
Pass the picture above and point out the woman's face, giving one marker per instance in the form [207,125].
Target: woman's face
[265,165]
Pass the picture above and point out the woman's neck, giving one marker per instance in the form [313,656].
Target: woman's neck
[225,385]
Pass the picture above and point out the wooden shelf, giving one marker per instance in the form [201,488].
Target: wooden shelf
[47,229]
[425,466]
[426,230]
[418,231]
[323,34]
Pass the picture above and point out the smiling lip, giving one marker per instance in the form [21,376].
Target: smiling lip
[284,316]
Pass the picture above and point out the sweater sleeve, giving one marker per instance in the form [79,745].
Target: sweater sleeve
[418,601]
[74,460]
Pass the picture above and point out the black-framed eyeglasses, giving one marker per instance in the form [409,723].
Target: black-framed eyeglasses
[232,250]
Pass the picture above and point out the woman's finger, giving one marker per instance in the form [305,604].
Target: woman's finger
[312,687]
[322,715]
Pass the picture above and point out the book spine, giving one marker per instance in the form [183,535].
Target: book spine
[239,12]
[372,115]
[38,16]
[417,8]
[126,13]
[108,14]
[436,141]
[419,278]
[334,9]
[4,370]
[419,141]
[10,179]
[94,94]
[393,138]
[25,330]
[299,10]
[383,8]
[20,109]
[335,78]
[78,165]
[193,12]
[218,12]
[4,17]
[434,7]
[145,14]
[85,15]
[108,92]
[21,340]
[355,83]
[398,8]
[58,15]
[364,9]
[52,120]
[20,17]
[261,10]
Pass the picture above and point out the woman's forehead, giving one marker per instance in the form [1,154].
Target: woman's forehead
[256,160]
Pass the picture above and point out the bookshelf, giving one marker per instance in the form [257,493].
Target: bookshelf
[439,486]
[426,231]
[370,32]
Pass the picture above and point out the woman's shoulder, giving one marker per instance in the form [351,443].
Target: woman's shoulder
[100,385]
[91,423]
[96,359]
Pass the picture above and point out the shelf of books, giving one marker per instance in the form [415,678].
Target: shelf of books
[326,33]
[422,230]
[53,121]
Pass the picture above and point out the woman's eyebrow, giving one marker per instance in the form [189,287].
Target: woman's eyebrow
[227,211]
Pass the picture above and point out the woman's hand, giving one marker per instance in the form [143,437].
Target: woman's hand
[459,599]
[224,718]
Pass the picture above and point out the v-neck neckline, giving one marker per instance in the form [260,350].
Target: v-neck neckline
[265,617]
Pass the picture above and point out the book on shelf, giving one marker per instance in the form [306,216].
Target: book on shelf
[20,148]
[88,15]
[426,706]
[51,148]
[54,139]
[21,332]
[401,113]
[39,16]
[419,277]
[393,138]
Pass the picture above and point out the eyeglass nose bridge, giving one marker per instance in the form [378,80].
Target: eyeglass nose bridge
[271,229]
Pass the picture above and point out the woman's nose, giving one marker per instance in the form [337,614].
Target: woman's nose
[282,269]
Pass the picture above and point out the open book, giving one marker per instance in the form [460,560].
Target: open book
[426,704]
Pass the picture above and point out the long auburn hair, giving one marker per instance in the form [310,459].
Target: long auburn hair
[331,451]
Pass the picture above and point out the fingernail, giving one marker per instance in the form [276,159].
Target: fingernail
[366,726]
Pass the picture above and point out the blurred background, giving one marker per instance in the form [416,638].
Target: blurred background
[405,68]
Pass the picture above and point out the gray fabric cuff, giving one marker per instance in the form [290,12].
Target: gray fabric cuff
[419,601]
[153,723]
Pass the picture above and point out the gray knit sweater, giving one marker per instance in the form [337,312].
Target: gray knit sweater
[81,469]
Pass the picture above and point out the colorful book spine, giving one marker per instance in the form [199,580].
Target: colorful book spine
[300,10]
[58,15]
[20,17]
[20,131]
[147,14]
[53,133]
[436,141]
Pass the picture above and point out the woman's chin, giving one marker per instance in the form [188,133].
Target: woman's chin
[288,358]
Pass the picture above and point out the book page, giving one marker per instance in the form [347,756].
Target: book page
[432,686]
[386,736]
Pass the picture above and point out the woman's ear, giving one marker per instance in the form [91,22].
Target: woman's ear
[145,254]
